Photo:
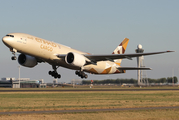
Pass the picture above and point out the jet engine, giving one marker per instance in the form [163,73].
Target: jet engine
[75,59]
[27,61]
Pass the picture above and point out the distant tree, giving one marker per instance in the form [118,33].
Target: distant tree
[121,81]
[175,79]
[162,80]
[151,80]
[172,79]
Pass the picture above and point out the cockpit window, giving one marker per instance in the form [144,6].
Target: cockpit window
[10,35]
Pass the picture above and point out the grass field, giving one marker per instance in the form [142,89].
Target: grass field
[34,101]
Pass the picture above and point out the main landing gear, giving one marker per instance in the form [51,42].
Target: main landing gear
[54,73]
[81,74]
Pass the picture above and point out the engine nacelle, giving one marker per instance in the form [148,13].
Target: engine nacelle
[75,59]
[27,61]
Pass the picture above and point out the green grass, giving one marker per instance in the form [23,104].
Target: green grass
[33,101]
[13,101]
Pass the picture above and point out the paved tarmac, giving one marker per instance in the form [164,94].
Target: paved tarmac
[86,110]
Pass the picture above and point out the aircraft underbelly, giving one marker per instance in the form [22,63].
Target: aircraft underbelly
[102,67]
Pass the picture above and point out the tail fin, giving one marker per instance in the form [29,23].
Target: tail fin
[121,50]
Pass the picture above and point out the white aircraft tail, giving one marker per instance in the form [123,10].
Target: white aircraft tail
[121,50]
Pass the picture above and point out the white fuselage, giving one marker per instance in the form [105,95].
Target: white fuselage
[48,51]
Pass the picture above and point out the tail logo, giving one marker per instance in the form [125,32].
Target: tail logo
[121,50]
[122,47]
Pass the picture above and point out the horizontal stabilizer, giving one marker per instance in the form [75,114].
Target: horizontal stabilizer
[133,68]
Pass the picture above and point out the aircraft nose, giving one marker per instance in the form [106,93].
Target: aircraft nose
[7,40]
[4,39]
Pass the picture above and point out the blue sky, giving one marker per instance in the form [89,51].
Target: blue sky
[94,26]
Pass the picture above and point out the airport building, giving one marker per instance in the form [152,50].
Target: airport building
[22,83]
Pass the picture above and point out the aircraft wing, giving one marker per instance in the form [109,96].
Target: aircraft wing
[112,57]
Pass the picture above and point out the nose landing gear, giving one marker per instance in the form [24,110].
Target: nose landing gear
[13,58]
[14,54]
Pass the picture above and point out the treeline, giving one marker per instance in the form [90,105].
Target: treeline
[164,80]
[133,81]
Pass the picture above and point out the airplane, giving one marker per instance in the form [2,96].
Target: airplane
[34,50]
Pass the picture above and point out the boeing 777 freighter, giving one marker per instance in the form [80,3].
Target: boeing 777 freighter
[35,50]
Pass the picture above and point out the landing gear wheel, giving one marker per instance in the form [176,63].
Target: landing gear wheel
[81,74]
[76,72]
[59,76]
[86,76]
[54,74]
[50,72]
[13,58]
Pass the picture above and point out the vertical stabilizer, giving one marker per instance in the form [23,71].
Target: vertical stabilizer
[121,50]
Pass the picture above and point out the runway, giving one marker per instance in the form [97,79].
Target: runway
[87,110]
[85,90]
